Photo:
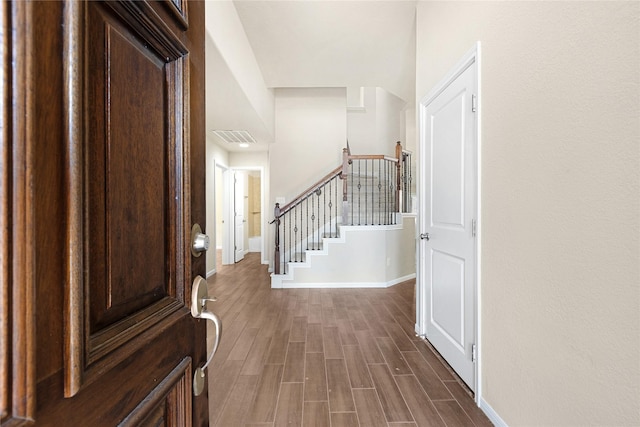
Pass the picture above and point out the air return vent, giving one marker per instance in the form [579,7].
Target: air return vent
[235,136]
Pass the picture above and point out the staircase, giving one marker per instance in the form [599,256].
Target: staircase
[346,230]
[369,256]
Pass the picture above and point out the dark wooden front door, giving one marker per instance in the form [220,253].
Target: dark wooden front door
[102,178]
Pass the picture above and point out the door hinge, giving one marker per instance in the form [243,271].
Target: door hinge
[473,227]
[474,356]
[474,103]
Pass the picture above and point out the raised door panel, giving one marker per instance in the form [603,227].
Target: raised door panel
[127,261]
[127,170]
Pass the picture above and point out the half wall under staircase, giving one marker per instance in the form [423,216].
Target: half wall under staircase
[371,256]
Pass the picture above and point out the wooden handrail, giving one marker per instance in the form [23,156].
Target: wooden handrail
[337,171]
[372,157]
[286,208]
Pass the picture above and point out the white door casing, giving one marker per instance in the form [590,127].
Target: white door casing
[447,259]
[239,214]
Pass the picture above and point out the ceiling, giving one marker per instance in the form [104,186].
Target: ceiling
[301,43]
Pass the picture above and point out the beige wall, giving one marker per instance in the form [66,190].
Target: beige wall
[311,130]
[560,201]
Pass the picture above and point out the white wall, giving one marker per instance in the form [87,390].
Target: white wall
[227,33]
[376,125]
[560,201]
[214,154]
[390,122]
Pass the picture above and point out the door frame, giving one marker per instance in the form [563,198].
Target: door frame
[230,187]
[473,55]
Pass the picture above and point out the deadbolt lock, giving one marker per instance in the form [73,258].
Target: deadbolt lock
[199,241]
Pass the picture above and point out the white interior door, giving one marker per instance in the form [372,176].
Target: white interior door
[449,208]
[239,214]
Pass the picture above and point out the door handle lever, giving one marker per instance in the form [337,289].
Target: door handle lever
[424,236]
[199,300]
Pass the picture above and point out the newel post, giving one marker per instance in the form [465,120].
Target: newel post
[343,176]
[276,255]
[398,174]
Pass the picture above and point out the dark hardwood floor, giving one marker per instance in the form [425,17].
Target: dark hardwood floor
[325,357]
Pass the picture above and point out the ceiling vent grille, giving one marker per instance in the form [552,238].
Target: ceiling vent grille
[235,136]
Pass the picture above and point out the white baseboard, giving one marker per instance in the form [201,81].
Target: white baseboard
[401,279]
[491,414]
[343,285]
[211,273]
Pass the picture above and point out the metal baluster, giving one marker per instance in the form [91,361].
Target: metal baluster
[284,235]
[366,199]
[410,182]
[295,211]
[351,167]
[324,210]
[330,206]
[390,191]
[386,192]
[359,190]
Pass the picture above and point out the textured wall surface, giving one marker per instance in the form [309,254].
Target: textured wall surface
[560,272]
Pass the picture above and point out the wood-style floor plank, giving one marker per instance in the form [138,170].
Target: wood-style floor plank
[312,357]
[469,406]
[289,409]
[243,344]
[399,337]
[390,397]
[369,348]
[332,344]
[427,377]
[393,356]
[368,408]
[315,378]
[264,403]
[452,413]
[235,410]
[298,329]
[344,419]
[221,380]
[257,355]
[314,338]
[422,409]
[340,399]
[315,414]
[357,367]
[294,364]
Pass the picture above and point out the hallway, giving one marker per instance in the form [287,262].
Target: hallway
[325,357]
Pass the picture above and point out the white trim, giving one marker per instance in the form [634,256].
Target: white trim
[346,285]
[469,58]
[492,415]
[211,273]
[478,391]
[263,222]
